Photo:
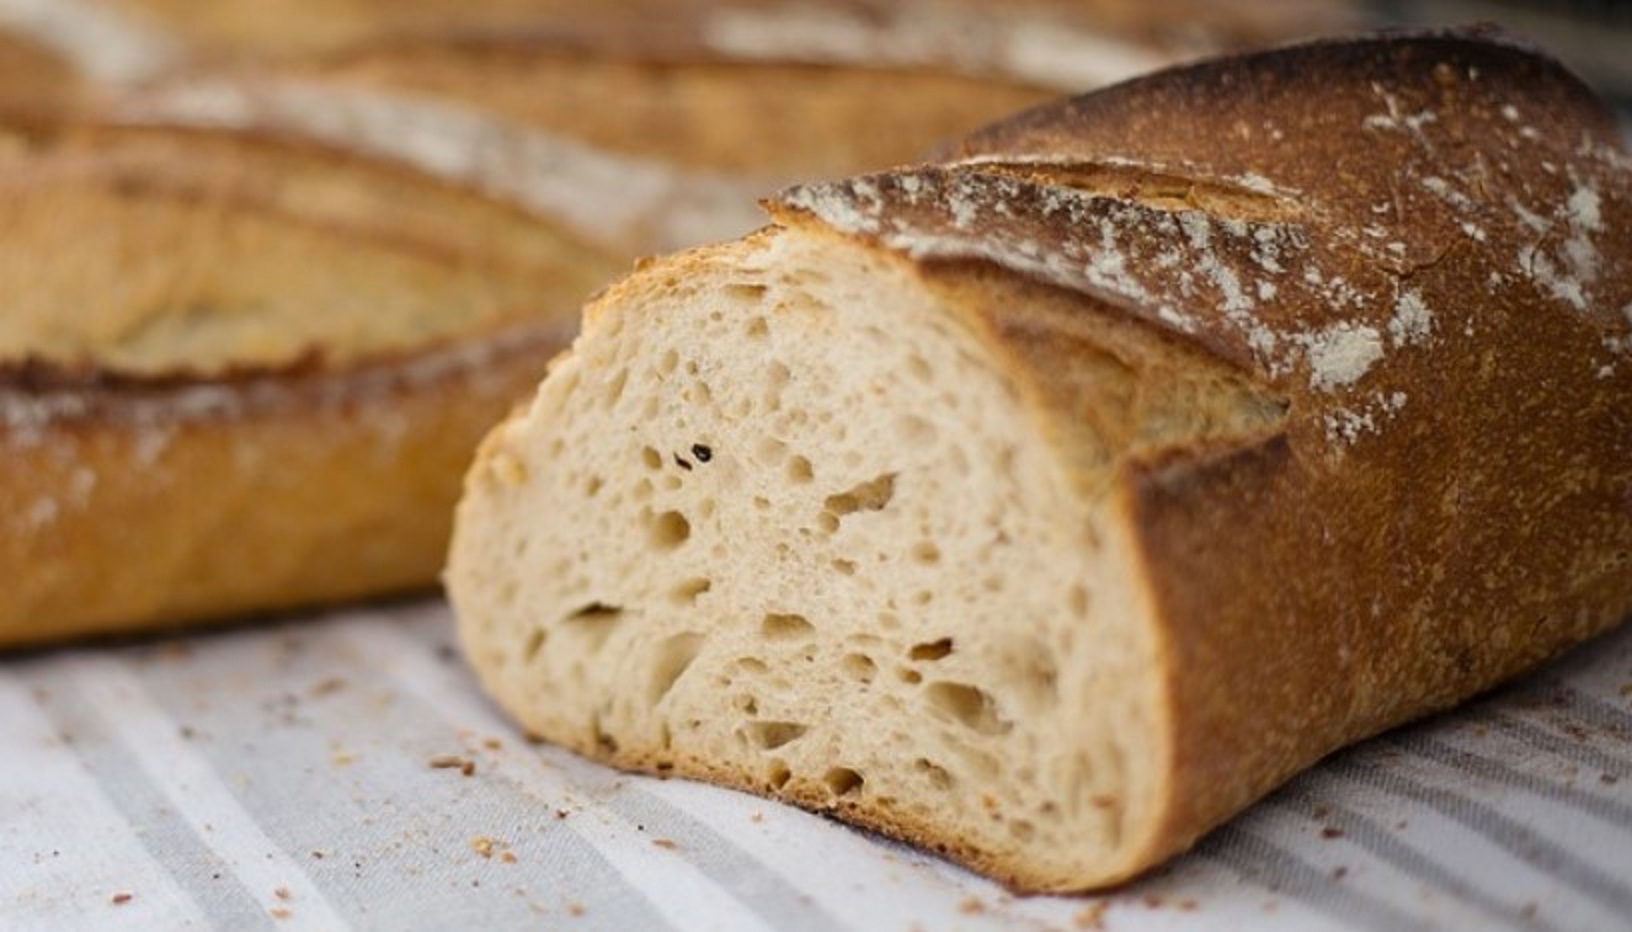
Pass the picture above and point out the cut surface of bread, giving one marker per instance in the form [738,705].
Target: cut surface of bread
[1048,506]
[240,374]
[777,519]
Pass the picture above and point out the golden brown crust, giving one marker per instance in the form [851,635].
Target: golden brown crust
[199,501]
[33,76]
[1421,243]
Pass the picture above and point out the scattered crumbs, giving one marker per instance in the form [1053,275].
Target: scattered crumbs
[1400,825]
[492,744]
[1152,901]
[327,687]
[1331,831]
[465,765]
[971,906]
[482,845]
[279,912]
[121,898]
[756,816]
[1339,872]
[1528,910]
[1091,916]
[1609,779]
[319,855]
[342,758]
[507,856]
[1188,905]
[561,813]
[1626,689]
[575,908]
[668,844]
[282,893]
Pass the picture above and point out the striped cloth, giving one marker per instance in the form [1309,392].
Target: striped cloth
[345,772]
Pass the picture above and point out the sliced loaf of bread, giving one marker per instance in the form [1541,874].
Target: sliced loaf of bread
[1048,506]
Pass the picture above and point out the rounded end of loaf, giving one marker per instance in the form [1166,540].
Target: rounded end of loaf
[782,521]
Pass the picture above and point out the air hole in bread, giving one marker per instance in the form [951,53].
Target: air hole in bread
[746,292]
[844,567]
[752,665]
[603,740]
[757,328]
[1022,830]
[777,375]
[859,667]
[780,627]
[777,773]
[670,529]
[595,612]
[593,624]
[909,675]
[969,706]
[668,362]
[842,780]
[926,552]
[770,451]
[915,430]
[872,495]
[768,736]
[920,368]
[670,661]
[698,394]
[800,470]
[931,650]
[533,644]
[651,458]
[688,590]
[938,776]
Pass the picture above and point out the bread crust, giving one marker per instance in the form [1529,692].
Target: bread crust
[181,501]
[1443,224]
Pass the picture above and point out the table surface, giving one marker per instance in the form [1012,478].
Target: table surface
[344,771]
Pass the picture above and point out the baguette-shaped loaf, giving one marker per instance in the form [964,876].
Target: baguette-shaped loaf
[1050,505]
[239,374]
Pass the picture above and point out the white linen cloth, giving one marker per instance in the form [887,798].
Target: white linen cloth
[310,774]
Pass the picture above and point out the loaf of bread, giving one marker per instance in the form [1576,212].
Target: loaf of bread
[242,374]
[1049,505]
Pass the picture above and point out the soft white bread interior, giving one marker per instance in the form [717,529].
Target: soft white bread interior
[1048,506]
[776,519]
